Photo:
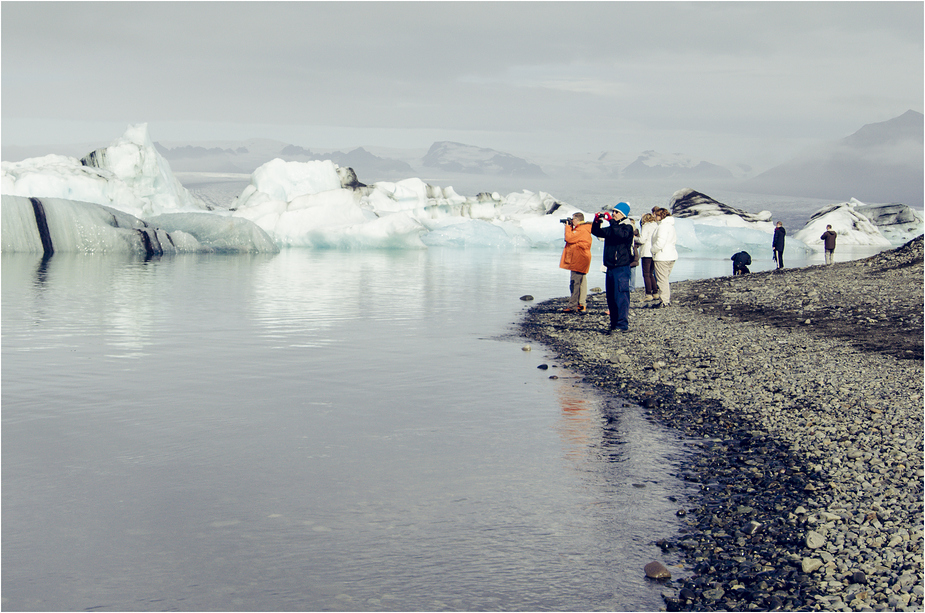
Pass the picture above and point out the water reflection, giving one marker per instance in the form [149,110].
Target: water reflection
[416,462]
[580,425]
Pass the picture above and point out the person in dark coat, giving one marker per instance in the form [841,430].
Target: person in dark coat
[618,255]
[740,262]
[777,245]
[829,238]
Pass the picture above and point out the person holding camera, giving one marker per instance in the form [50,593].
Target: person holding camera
[576,257]
[618,255]
[829,238]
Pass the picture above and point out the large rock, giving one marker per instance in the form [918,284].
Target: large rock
[657,570]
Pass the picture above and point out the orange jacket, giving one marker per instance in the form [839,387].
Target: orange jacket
[577,253]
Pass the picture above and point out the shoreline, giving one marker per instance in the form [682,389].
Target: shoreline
[801,389]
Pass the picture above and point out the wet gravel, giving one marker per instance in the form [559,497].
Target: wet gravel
[802,391]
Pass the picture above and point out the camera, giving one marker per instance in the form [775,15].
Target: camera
[604,215]
[566,220]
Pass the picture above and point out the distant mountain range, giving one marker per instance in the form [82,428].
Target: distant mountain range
[456,157]
[652,165]
[881,162]
[248,157]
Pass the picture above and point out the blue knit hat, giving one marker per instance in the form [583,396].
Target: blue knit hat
[623,208]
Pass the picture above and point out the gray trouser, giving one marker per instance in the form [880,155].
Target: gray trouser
[829,256]
[578,285]
[662,272]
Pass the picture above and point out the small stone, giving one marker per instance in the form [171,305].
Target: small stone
[526,297]
[714,594]
[543,366]
[657,570]
[526,348]
[811,564]
[858,577]
[814,540]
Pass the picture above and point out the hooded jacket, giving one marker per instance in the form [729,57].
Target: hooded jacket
[577,253]
[778,241]
[664,241]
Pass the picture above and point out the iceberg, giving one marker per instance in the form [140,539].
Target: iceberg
[129,175]
[124,197]
[316,204]
[898,223]
[50,225]
[702,209]
[847,219]
[706,225]
[56,225]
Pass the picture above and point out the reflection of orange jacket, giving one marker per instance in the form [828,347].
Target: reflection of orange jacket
[577,253]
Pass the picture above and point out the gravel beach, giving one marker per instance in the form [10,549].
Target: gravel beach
[802,392]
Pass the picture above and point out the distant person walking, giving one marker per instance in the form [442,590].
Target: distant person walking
[829,238]
[647,229]
[664,253]
[777,244]
[618,255]
[576,257]
[740,262]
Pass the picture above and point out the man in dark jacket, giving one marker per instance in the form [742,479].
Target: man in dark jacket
[777,245]
[618,255]
[829,237]
[740,262]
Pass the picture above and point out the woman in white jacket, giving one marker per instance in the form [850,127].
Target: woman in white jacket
[644,242]
[664,253]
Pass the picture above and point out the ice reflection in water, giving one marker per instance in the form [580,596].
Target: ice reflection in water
[314,430]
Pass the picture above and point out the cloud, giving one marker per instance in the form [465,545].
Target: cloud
[581,74]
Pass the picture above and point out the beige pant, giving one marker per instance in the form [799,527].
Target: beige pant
[662,272]
[578,284]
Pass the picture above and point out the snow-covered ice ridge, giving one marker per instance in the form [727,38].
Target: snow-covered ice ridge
[125,198]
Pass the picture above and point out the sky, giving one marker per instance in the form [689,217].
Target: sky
[727,82]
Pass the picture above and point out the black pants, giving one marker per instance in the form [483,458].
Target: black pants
[648,276]
[779,258]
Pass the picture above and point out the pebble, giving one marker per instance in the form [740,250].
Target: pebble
[657,570]
[806,488]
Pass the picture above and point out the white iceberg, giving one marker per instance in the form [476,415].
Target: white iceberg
[898,223]
[852,227]
[706,225]
[114,196]
[129,175]
[316,204]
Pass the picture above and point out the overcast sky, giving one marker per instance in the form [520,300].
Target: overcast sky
[751,82]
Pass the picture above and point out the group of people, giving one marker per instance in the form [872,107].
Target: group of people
[653,246]
[741,260]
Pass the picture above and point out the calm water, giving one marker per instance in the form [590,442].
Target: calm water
[314,431]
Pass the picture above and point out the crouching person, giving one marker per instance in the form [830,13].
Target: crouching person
[740,262]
